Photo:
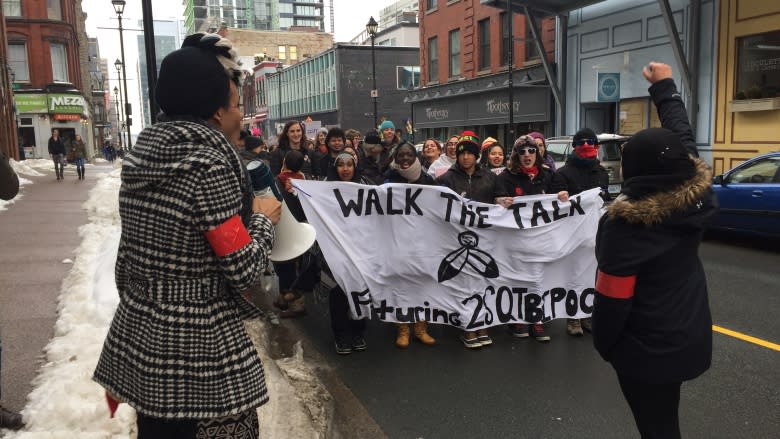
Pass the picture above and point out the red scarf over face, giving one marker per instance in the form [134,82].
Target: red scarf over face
[586,151]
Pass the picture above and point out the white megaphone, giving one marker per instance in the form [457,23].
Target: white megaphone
[292,238]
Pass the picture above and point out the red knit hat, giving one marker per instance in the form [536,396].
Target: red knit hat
[469,142]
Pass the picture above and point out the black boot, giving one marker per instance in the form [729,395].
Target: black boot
[10,420]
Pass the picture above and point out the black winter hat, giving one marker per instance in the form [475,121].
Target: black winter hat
[657,151]
[372,138]
[192,81]
[468,142]
[585,133]
[252,142]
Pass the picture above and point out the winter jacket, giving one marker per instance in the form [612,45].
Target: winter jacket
[579,175]
[393,176]
[79,149]
[56,146]
[671,112]
[652,317]
[480,186]
[277,159]
[515,184]
[9,181]
[373,169]
[177,347]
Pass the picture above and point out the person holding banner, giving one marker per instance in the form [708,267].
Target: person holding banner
[526,175]
[470,180]
[581,172]
[406,168]
[348,334]
[651,318]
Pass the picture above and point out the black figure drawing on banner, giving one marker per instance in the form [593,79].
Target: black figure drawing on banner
[469,254]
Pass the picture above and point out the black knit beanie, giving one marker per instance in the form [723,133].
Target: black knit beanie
[585,133]
[656,151]
[192,81]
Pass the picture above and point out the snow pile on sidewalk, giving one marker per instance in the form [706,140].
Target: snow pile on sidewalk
[20,170]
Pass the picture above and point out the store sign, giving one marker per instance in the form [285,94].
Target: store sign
[67,117]
[66,103]
[609,87]
[31,103]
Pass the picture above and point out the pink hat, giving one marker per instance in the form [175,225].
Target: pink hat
[536,135]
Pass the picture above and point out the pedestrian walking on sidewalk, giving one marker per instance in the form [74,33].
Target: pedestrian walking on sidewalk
[80,154]
[57,152]
[651,317]
[177,350]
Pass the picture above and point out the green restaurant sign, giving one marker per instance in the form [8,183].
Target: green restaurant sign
[31,103]
[52,103]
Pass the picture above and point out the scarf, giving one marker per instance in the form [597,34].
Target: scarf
[412,173]
[531,172]
[586,151]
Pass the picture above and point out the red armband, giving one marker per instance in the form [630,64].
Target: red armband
[228,237]
[616,287]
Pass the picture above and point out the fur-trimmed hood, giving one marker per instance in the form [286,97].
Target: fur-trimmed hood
[659,207]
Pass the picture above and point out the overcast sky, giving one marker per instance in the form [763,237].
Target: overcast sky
[350,19]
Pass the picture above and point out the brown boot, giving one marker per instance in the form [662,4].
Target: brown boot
[421,333]
[402,340]
[296,308]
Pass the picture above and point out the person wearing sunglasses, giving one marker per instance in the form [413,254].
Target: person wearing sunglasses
[526,175]
[583,171]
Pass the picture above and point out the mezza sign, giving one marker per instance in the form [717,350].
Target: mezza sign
[66,104]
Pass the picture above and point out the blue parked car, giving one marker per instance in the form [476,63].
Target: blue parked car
[749,197]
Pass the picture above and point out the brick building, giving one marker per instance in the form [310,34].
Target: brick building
[45,55]
[8,140]
[464,53]
[289,47]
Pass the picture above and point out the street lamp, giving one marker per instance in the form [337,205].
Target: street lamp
[118,120]
[279,68]
[371,27]
[119,8]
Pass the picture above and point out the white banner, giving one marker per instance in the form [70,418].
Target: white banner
[404,253]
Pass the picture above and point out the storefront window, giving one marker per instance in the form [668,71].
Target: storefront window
[758,71]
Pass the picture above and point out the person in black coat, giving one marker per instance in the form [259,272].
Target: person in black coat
[651,317]
[581,172]
[292,137]
[57,152]
[469,180]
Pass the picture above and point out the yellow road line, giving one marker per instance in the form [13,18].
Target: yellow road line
[747,338]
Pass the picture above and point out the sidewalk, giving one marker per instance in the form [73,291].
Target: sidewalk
[40,231]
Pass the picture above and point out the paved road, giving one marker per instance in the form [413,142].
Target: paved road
[37,233]
[525,389]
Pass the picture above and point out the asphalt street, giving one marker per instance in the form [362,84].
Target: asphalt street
[525,389]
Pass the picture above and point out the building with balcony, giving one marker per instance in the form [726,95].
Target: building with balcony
[211,15]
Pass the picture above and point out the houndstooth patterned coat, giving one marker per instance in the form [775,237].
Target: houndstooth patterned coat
[177,347]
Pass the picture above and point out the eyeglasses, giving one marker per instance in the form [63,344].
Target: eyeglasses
[580,142]
[522,151]
[452,143]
